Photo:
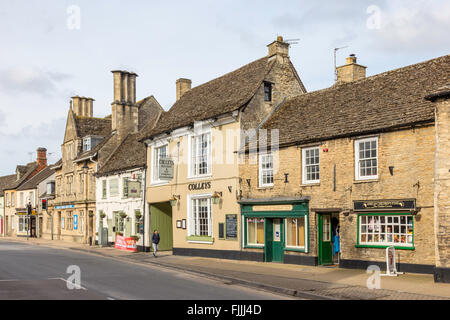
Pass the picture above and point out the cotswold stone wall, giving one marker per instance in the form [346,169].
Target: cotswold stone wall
[410,152]
[442,184]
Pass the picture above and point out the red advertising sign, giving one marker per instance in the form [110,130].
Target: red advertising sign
[127,244]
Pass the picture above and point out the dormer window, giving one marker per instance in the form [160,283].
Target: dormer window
[86,144]
[267,91]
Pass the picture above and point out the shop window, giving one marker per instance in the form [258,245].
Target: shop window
[386,230]
[295,232]
[200,220]
[266,170]
[366,159]
[311,165]
[22,224]
[255,231]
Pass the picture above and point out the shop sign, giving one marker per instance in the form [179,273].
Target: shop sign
[369,205]
[75,222]
[231,222]
[283,207]
[65,207]
[199,186]
[166,169]
[126,244]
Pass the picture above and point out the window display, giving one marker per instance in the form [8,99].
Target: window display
[386,230]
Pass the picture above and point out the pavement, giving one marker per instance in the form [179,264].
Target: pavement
[308,282]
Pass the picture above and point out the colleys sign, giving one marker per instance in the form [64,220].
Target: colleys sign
[402,204]
[199,186]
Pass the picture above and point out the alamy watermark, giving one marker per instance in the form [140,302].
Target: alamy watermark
[74,17]
[74,280]
[374,281]
[374,19]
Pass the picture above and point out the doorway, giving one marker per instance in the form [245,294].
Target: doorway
[161,220]
[274,244]
[328,238]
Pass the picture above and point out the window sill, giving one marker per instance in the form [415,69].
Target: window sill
[203,177]
[158,183]
[254,247]
[312,184]
[265,187]
[299,249]
[384,247]
[366,181]
[200,239]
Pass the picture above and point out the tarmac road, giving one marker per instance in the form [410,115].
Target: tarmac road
[32,272]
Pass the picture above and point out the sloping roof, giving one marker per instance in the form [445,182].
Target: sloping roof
[38,178]
[221,95]
[93,126]
[385,101]
[94,150]
[5,181]
[30,168]
[129,154]
[149,110]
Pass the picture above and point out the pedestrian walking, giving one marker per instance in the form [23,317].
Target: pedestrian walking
[155,241]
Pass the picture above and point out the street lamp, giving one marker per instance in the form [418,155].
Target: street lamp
[216,197]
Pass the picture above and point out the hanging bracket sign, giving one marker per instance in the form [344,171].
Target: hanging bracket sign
[166,169]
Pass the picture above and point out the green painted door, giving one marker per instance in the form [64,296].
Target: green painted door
[161,219]
[268,245]
[324,239]
[274,246]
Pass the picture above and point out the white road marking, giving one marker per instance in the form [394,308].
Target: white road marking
[80,287]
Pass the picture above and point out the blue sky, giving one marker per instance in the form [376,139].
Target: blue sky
[44,61]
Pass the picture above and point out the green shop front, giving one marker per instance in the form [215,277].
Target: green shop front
[278,229]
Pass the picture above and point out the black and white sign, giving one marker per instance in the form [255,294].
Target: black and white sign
[166,169]
[231,222]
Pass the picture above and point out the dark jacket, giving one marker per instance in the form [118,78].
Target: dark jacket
[155,238]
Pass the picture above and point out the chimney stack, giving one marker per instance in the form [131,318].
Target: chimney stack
[279,49]
[351,71]
[125,117]
[183,85]
[83,107]
[41,158]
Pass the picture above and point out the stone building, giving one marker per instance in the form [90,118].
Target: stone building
[88,144]
[192,166]
[357,167]
[4,182]
[15,201]
[120,187]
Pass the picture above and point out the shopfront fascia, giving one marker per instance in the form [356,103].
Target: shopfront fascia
[275,226]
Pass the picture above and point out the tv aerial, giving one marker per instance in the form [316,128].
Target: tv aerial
[335,66]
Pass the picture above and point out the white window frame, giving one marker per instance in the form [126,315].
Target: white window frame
[115,181]
[155,163]
[304,166]
[386,223]
[192,138]
[86,144]
[357,159]
[250,244]
[305,217]
[190,225]
[261,170]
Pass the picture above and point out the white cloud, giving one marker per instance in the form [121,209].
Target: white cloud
[26,79]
